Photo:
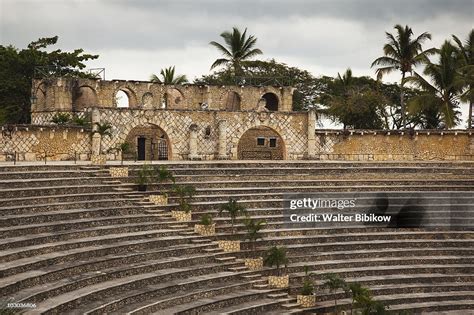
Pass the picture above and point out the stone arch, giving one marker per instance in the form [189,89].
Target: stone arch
[174,99]
[147,100]
[232,101]
[272,101]
[126,95]
[261,143]
[86,96]
[148,142]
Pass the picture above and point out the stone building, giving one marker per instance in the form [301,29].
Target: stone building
[181,122]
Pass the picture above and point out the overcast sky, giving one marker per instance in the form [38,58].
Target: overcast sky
[139,37]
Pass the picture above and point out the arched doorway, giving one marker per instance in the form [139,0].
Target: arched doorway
[148,143]
[125,98]
[261,143]
[271,101]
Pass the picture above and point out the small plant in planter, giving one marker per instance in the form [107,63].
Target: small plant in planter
[163,174]
[234,209]
[359,295]
[306,298]
[276,256]
[184,194]
[334,283]
[206,226]
[253,234]
[144,177]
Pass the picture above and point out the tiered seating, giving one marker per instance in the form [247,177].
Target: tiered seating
[75,240]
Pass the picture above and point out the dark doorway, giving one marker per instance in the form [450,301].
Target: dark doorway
[272,101]
[141,147]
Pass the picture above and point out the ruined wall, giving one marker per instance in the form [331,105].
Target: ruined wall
[71,94]
[32,143]
[394,145]
[177,126]
[249,148]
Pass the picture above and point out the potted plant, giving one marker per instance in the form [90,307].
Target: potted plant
[276,256]
[253,234]
[144,176]
[206,226]
[234,209]
[184,194]
[334,283]
[163,174]
[306,298]
[359,295]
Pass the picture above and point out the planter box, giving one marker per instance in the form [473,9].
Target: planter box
[254,263]
[161,200]
[98,159]
[229,246]
[279,282]
[118,171]
[181,215]
[306,300]
[205,230]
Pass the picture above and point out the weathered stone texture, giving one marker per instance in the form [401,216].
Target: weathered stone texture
[306,300]
[254,263]
[386,145]
[33,143]
[182,216]
[118,171]
[278,282]
[205,230]
[229,246]
[161,200]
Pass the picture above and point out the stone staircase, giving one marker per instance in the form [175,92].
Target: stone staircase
[74,240]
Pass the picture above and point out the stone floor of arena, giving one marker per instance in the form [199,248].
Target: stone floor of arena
[74,240]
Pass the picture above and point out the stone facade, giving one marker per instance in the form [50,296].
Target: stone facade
[98,159]
[229,246]
[372,145]
[279,282]
[34,143]
[118,171]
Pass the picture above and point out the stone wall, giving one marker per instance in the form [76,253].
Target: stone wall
[73,94]
[32,143]
[364,145]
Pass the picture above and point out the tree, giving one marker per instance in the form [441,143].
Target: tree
[17,69]
[307,288]
[163,174]
[276,256]
[234,209]
[444,90]
[184,193]
[334,283]
[253,230]
[466,56]
[357,293]
[403,53]
[238,48]
[168,76]
[103,130]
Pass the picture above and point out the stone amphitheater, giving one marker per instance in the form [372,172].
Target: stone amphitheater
[76,240]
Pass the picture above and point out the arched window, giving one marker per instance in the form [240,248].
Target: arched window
[121,99]
[272,101]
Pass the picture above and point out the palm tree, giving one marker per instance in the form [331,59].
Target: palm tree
[168,76]
[234,209]
[466,54]
[103,130]
[334,283]
[253,230]
[403,53]
[238,48]
[276,256]
[184,193]
[446,85]
[357,292]
[163,174]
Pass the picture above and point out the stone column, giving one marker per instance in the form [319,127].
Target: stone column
[222,155]
[311,134]
[95,136]
[193,155]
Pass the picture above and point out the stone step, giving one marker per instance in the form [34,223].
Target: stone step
[178,226]
[227,258]
[237,269]
[199,241]
[213,250]
[278,295]
[252,276]
[261,286]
